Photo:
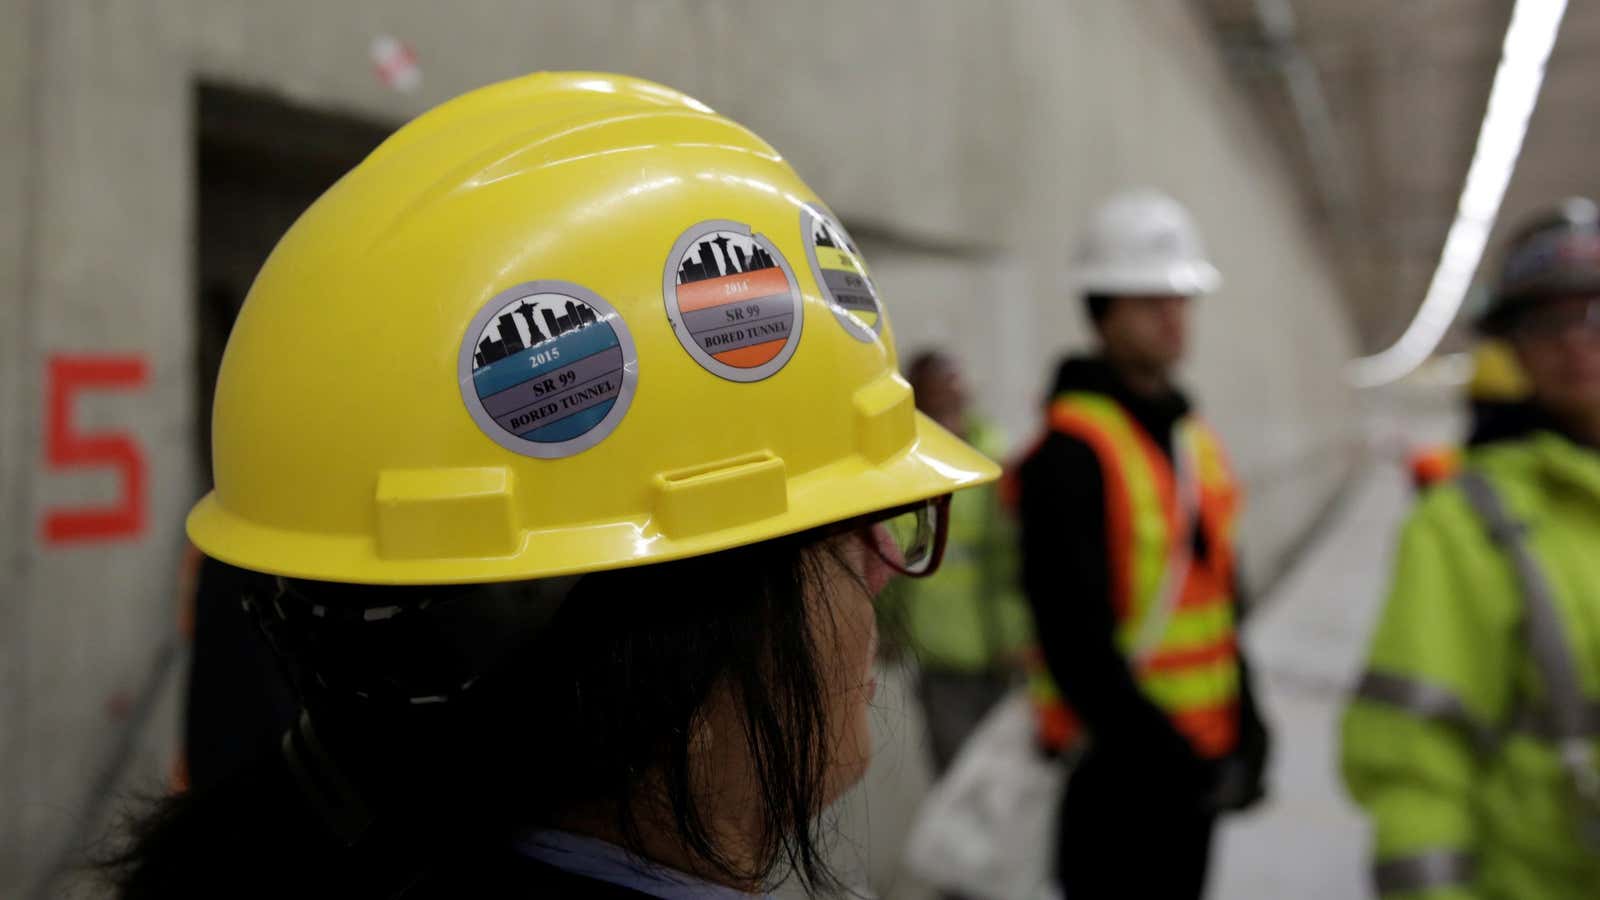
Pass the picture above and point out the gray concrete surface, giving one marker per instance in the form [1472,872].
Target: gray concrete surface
[965,141]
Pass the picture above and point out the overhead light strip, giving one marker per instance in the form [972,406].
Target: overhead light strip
[1529,40]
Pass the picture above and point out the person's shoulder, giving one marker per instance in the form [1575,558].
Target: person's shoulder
[1511,458]
[1441,507]
[1444,514]
[1061,468]
[1512,469]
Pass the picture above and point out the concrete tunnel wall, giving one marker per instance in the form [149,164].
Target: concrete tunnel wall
[965,142]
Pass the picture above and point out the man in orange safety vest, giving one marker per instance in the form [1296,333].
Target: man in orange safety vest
[1128,511]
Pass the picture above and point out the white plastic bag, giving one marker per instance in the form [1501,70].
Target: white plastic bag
[987,829]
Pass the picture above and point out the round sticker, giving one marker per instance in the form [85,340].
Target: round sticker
[733,301]
[548,369]
[842,275]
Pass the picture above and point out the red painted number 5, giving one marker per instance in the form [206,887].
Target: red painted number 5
[66,448]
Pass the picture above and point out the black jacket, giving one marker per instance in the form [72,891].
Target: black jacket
[1496,421]
[1067,577]
[255,835]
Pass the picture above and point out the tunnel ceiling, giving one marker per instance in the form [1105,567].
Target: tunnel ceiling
[1405,85]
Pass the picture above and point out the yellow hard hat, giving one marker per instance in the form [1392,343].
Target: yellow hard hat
[565,323]
[1496,374]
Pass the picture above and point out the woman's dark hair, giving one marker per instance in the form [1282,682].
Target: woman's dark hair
[463,715]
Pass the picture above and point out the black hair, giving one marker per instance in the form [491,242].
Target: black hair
[591,707]
[1098,306]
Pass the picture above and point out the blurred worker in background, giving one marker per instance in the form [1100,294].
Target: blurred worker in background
[1128,512]
[968,624]
[1471,738]
[553,636]
[1497,405]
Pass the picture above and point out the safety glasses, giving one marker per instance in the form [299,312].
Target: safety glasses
[910,539]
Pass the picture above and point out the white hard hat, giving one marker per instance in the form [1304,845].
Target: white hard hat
[1142,241]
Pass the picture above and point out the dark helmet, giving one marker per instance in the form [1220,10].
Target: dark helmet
[1556,254]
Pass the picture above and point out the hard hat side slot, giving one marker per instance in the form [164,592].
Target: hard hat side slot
[721,494]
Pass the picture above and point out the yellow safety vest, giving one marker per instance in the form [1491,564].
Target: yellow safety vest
[1174,614]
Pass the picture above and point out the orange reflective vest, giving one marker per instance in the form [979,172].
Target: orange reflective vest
[1174,613]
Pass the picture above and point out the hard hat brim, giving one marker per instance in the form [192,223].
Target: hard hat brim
[1187,279]
[936,462]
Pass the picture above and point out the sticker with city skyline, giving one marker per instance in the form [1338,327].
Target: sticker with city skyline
[841,273]
[548,369]
[733,301]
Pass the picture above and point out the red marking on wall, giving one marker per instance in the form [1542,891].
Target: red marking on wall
[66,448]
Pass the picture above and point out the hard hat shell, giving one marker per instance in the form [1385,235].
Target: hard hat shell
[1555,254]
[1143,242]
[1496,375]
[565,323]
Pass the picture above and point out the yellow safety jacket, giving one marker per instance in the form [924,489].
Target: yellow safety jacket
[1472,738]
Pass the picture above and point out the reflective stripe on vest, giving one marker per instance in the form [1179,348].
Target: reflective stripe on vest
[1174,614]
[1425,700]
[1545,634]
[1424,871]
[1436,703]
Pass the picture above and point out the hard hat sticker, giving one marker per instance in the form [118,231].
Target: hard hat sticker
[548,369]
[733,301]
[841,274]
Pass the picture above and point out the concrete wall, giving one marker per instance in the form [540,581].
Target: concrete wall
[16,158]
[967,140]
